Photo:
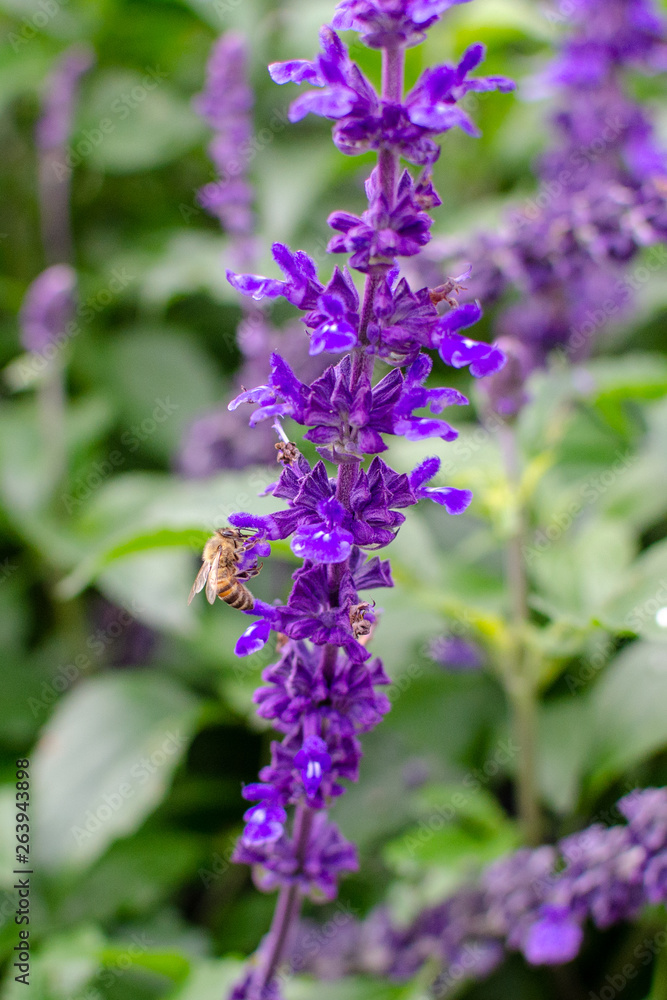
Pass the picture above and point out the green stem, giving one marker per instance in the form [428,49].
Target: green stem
[659,984]
[524,719]
[51,401]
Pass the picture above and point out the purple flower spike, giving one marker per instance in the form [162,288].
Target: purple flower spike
[314,761]
[534,901]
[226,106]
[55,124]
[563,255]
[554,939]
[325,690]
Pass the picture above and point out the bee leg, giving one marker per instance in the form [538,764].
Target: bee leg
[247,574]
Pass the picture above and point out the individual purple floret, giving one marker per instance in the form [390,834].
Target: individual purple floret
[47,308]
[602,199]
[326,688]
[536,902]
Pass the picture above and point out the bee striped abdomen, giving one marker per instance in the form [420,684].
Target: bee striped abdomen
[235,594]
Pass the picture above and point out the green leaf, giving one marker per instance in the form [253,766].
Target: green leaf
[637,496]
[61,969]
[164,963]
[209,980]
[161,380]
[564,740]
[640,598]
[191,262]
[632,376]
[137,514]
[627,714]
[135,875]
[580,569]
[25,476]
[105,761]
[133,121]
[519,15]
[349,988]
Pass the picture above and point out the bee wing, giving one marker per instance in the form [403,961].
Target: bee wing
[201,578]
[212,582]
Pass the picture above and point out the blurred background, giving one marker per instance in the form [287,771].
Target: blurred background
[115,466]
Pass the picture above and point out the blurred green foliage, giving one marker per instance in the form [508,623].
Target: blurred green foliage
[135,714]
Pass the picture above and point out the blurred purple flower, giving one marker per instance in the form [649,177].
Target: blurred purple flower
[456,654]
[55,122]
[47,308]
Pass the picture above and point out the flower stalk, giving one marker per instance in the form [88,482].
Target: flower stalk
[326,688]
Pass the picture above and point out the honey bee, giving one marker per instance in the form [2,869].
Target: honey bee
[219,571]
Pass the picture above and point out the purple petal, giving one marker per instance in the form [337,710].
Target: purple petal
[484,359]
[342,221]
[284,379]
[423,472]
[462,316]
[454,501]
[553,941]
[254,638]
[261,394]
[335,337]
[332,511]
[421,428]
[316,542]
[492,363]
[295,71]
[256,285]
[257,790]
[471,58]
[330,103]
[243,520]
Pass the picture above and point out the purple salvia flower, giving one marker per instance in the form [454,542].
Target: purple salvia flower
[226,105]
[325,690]
[535,901]
[602,199]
